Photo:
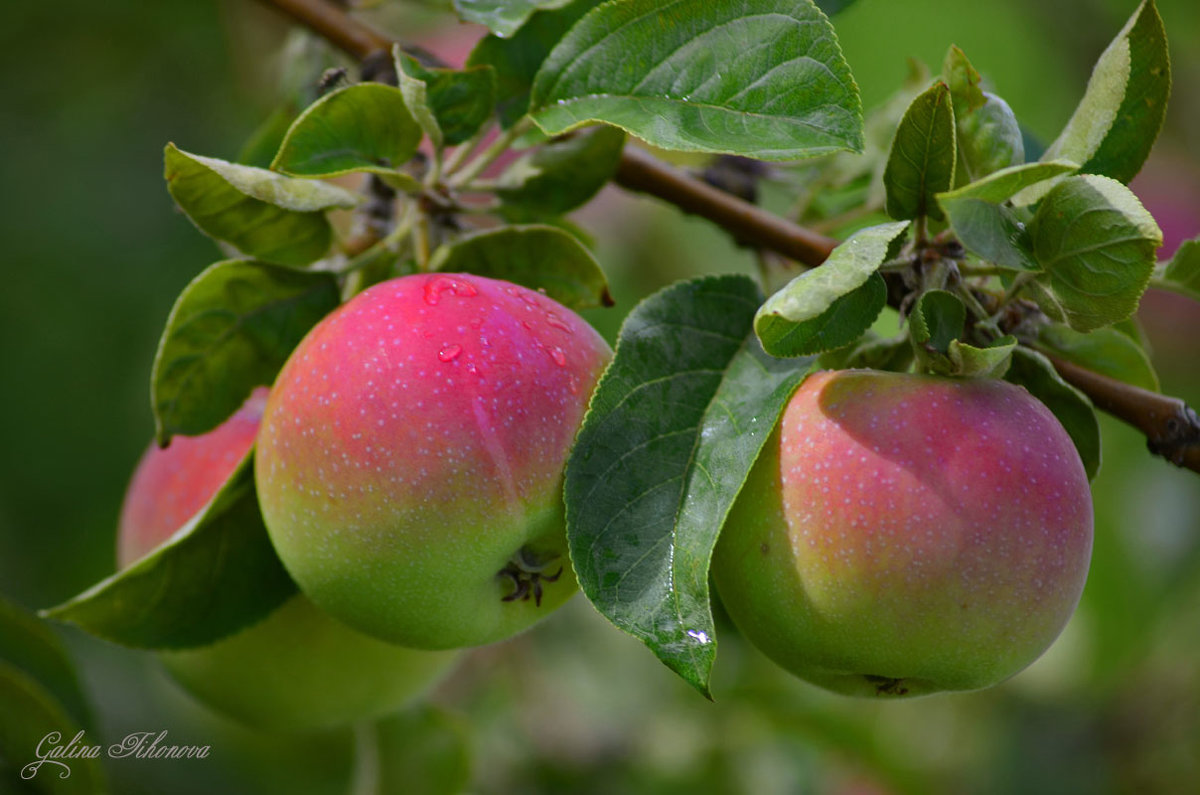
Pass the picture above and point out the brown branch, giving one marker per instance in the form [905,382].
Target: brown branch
[642,172]
[1172,428]
[334,25]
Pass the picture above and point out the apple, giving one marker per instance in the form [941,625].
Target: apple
[171,484]
[300,670]
[907,534]
[410,462]
[297,668]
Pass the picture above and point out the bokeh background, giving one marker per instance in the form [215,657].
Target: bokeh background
[94,254]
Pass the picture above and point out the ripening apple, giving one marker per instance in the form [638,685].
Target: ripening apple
[907,534]
[297,668]
[410,462]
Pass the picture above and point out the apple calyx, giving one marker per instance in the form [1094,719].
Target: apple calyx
[527,570]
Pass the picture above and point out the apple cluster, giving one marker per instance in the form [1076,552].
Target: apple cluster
[409,468]
[899,535]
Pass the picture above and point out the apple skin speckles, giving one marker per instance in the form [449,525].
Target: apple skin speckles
[924,534]
[415,442]
[297,669]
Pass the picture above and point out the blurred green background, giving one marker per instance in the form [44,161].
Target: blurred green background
[97,253]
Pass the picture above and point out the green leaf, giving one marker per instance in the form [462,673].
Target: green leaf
[28,644]
[844,319]
[963,81]
[674,426]
[262,214]
[461,99]
[502,17]
[760,78]
[830,306]
[989,229]
[536,256]
[364,127]
[990,361]
[402,181]
[1002,185]
[987,133]
[991,232]
[937,319]
[1071,407]
[1106,351]
[921,163]
[1182,273]
[1096,244]
[31,718]
[1122,110]
[231,329]
[561,175]
[1131,327]
[422,750]
[989,138]
[413,89]
[217,574]
[517,60]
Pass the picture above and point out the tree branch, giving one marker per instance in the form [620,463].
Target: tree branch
[334,25]
[748,223]
[1172,428]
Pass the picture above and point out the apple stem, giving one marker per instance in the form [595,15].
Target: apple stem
[498,147]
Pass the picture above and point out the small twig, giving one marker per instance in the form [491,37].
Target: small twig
[466,148]
[986,321]
[421,242]
[392,242]
[489,155]
[480,186]
[1018,283]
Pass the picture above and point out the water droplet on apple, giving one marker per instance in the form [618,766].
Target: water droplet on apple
[438,285]
[449,353]
[558,323]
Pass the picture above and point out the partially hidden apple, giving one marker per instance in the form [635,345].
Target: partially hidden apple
[410,463]
[906,534]
[296,669]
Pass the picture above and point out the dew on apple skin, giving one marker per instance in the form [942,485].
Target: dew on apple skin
[558,356]
[438,285]
[554,321]
[449,353]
